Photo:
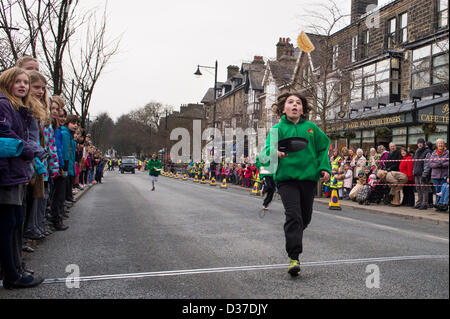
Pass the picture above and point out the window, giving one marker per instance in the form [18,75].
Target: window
[395,80]
[354,48]
[403,24]
[391,38]
[376,80]
[335,56]
[430,65]
[399,136]
[365,44]
[439,62]
[442,13]
[369,87]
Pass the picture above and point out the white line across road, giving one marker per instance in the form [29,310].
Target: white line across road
[241,268]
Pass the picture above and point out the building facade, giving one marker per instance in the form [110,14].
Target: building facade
[398,71]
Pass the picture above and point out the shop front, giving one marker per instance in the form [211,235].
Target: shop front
[402,124]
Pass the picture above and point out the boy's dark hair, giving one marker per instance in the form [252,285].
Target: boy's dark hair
[278,107]
[71,118]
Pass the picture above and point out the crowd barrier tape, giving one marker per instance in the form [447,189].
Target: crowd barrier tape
[419,185]
[409,160]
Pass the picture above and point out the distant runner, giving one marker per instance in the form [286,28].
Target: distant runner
[154,167]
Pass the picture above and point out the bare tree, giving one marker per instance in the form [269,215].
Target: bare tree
[88,64]
[321,76]
[12,41]
[55,33]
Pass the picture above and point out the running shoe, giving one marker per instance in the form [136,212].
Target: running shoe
[294,267]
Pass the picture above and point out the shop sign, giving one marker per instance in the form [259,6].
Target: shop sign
[439,116]
[353,125]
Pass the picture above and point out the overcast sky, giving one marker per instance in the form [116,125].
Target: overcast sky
[164,41]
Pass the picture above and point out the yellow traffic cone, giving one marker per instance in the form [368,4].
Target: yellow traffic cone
[224,184]
[176,176]
[203,181]
[334,202]
[255,189]
[185,177]
[213,182]
[196,179]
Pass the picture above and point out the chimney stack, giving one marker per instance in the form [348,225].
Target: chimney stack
[284,48]
[232,70]
[258,59]
[359,8]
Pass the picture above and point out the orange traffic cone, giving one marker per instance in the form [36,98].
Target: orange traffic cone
[334,202]
[224,184]
[255,189]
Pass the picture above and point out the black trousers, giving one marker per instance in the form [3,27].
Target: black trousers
[69,186]
[298,199]
[11,222]
[59,196]
[408,196]
[268,189]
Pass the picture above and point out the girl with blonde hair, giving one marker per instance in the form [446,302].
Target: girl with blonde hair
[38,106]
[14,175]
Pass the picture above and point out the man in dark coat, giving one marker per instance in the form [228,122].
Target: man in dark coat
[394,154]
[418,169]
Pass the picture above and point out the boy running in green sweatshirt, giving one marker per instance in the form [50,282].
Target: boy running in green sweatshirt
[296,174]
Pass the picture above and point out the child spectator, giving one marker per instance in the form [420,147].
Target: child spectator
[340,178]
[14,174]
[361,181]
[69,146]
[348,180]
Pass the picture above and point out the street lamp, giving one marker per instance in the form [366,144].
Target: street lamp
[198,74]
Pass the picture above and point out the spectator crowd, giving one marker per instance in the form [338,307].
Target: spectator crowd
[393,176]
[45,159]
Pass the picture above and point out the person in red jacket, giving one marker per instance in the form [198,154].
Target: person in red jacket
[406,167]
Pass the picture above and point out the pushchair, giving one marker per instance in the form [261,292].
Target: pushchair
[363,194]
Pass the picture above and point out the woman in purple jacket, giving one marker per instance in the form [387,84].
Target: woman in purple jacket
[439,167]
[14,175]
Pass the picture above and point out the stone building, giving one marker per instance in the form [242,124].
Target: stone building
[184,119]
[237,104]
[393,63]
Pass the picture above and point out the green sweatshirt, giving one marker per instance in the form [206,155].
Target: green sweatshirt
[154,164]
[306,164]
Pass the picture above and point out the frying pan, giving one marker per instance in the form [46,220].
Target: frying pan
[292,144]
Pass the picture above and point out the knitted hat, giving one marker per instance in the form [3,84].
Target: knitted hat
[420,140]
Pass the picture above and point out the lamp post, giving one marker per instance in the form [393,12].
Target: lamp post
[199,74]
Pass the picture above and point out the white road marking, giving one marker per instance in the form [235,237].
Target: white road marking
[243,268]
